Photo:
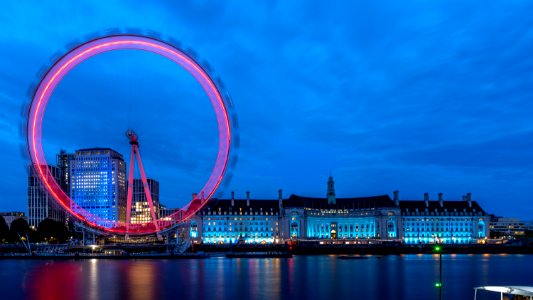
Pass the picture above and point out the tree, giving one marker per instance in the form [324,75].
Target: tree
[52,231]
[19,228]
[4,230]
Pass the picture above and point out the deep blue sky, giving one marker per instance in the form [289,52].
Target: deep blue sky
[422,96]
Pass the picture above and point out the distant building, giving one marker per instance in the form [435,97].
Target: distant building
[165,212]
[41,205]
[63,160]
[508,226]
[98,185]
[10,216]
[335,219]
[140,209]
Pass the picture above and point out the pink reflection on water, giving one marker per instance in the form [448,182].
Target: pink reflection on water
[53,280]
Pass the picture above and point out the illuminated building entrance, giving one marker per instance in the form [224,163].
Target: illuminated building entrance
[333,232]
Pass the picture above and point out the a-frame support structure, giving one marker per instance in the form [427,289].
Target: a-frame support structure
[134,142]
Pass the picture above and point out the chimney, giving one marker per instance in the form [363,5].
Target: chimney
[247,198]
[232,198]
[426,199]
[469,199]
[441,203]
[396,198]
[280,197]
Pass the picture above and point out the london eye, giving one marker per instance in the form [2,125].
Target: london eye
[220,102]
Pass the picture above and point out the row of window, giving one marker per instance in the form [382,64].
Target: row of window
[238,219]
[439,223]
[438,234]
[341,236]
[240,213]
[237,235]
[343,227]
[206,229]
[240,223]
[443,214]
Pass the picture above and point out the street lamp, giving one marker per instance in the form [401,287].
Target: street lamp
[438,249]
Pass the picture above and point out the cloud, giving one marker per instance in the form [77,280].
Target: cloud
[414,96]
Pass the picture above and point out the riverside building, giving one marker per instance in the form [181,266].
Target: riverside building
[237,221]
[440,221]
[510,227]
[340,220]
[41,205]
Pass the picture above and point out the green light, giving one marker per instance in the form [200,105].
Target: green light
[438,285]
[437,248]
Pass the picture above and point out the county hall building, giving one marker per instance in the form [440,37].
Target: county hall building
[332,219]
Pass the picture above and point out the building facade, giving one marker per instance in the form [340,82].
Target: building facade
[98,185]
[63,160]
[41,205]
[510,227]
[332,219]
[140,209]
[445,222]
[237,221]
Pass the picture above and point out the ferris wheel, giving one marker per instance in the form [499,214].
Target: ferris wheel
[220,101]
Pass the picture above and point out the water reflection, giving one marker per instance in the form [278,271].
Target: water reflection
[53,280]
[93,279]
[302,277]
[142,281]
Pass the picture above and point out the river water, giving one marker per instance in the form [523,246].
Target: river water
[302,277]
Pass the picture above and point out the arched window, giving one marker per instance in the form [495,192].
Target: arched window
[391,229]
[481,229]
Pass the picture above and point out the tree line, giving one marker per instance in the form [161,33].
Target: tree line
[50,231]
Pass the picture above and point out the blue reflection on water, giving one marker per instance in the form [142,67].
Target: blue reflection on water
[302,277]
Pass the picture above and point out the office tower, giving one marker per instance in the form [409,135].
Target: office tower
[98,185]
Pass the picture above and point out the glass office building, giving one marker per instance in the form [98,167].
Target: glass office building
[98,185]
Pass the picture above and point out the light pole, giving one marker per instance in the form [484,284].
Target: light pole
[438,249]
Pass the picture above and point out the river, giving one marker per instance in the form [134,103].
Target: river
[301,277]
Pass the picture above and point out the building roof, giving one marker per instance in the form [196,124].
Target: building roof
[341,203]
[99,151]
[435,206]
[381,201]
[224,205]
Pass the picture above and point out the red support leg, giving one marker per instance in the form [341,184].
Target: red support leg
[146,187]
[130,189]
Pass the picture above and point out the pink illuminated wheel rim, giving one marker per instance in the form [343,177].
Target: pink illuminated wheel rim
[70,60]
